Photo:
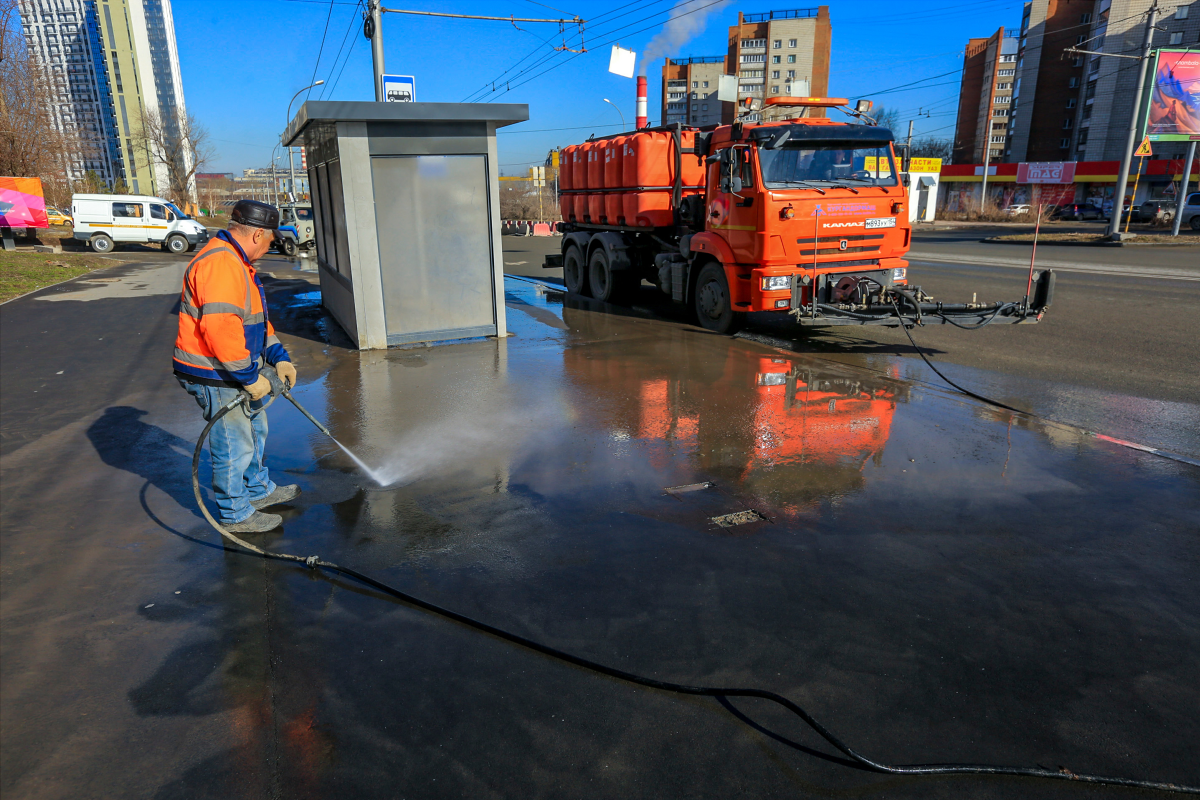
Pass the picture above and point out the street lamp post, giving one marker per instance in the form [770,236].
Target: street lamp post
[291,160]
[618,108]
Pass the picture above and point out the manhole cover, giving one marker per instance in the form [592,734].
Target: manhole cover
[739,518]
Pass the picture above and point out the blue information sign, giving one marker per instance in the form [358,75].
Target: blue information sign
[399,89]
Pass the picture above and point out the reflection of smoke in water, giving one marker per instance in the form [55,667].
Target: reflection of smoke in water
[470,436]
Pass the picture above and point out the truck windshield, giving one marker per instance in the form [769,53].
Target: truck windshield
[827,163]
[304,213]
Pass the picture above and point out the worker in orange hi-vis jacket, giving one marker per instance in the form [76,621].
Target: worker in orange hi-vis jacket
[224,338]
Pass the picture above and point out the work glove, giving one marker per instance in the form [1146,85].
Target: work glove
[287,373]
[259,389]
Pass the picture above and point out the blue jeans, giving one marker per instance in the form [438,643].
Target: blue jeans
[236,445]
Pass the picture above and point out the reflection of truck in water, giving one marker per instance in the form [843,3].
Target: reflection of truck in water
[399,96]
[769,426]
[803,216]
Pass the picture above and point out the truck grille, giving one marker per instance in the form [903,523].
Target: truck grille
[833,251]
[850,238]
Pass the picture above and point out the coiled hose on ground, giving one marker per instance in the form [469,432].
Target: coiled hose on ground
[315,562]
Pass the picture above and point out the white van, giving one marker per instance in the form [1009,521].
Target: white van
[104,220]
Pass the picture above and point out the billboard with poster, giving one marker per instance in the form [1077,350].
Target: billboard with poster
[1173,111]
[22,204]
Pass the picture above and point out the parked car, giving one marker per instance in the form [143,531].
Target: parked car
[1019,208]
[1077,211]
[104,220]
[1156,210]
[1190,216]
[57,217]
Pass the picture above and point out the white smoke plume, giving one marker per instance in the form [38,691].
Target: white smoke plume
[687,20]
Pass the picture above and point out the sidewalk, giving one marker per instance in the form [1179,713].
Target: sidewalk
[912,553]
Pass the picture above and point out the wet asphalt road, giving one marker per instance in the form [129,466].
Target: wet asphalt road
[1116,354]
[935,580]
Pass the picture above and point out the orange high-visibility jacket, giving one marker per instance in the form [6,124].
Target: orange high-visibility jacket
[224,333]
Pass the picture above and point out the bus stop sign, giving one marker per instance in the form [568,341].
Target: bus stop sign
[399,89]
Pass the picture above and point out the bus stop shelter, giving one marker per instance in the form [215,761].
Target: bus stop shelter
[406,201]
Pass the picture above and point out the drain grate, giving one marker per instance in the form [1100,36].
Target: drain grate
[739,518]
[691,487]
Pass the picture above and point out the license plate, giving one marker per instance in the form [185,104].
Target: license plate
[881,222]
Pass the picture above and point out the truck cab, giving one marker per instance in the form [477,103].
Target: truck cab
[799,210]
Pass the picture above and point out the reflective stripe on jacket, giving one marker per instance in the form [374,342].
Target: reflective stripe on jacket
[224,333]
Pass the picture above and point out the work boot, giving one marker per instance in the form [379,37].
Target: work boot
[281,495]
[258,522]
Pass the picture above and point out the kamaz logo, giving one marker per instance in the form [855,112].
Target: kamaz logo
[842,225]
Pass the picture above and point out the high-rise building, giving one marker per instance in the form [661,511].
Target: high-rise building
[781,53]
[1100,116]
[111,62]
[985,98]
[690,91]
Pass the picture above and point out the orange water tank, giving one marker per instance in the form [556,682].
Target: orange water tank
[595,180]
[566,202]
[614,213]
[649,173]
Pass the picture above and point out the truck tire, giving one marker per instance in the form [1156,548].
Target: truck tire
[608,285]
[176,244]
[289,248]
[101,243]
[713,307]
[575,271]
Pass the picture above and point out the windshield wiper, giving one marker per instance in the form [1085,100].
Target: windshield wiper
[840,186]
[801,184]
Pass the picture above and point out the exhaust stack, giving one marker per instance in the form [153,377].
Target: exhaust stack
[642,122]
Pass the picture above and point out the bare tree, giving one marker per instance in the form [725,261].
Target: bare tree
[519,200]
[213,190]
[887,118]
[932,147]
[181,146]
[31,145]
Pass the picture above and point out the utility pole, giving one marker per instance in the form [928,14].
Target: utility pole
[1183,188]
[375,24]
[1131,138]
[909,142]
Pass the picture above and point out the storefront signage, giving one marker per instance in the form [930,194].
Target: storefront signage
[1046,172]
[925,165]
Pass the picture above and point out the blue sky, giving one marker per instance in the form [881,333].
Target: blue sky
[242,60]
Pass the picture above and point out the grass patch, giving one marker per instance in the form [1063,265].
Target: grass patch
[219,221]
[21,273]
[1094,238]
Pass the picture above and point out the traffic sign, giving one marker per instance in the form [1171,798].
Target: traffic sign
[399,89]
[1143,148]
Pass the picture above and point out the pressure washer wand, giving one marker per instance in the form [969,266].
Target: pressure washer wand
[278,387]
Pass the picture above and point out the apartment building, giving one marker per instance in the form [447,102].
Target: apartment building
[690,91]
[780,53]
[1100,118]
[109,62]
[985,98]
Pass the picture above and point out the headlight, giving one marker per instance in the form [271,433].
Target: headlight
[899,274]
[777,283]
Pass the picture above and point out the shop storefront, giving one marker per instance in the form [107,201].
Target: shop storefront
[1059,182]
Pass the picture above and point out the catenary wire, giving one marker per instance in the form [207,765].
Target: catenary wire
[354,16]
[320,51]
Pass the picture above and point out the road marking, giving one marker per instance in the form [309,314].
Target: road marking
[1062,266]
[514,263]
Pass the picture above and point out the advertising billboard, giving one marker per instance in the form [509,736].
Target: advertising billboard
[22,204]
[1173,112]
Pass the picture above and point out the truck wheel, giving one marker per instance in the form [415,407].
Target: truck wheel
[608,286]
[1195,223]
[101,243]
[713,307]
[575,271]
[176,244]
[289,248]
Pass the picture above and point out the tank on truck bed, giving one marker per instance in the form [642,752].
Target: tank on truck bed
[803,216]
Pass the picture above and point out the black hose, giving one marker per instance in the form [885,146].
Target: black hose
[314,562]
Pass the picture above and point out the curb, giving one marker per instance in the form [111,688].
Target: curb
[996,240]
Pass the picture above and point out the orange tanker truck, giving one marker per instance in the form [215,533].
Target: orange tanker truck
[803,216]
